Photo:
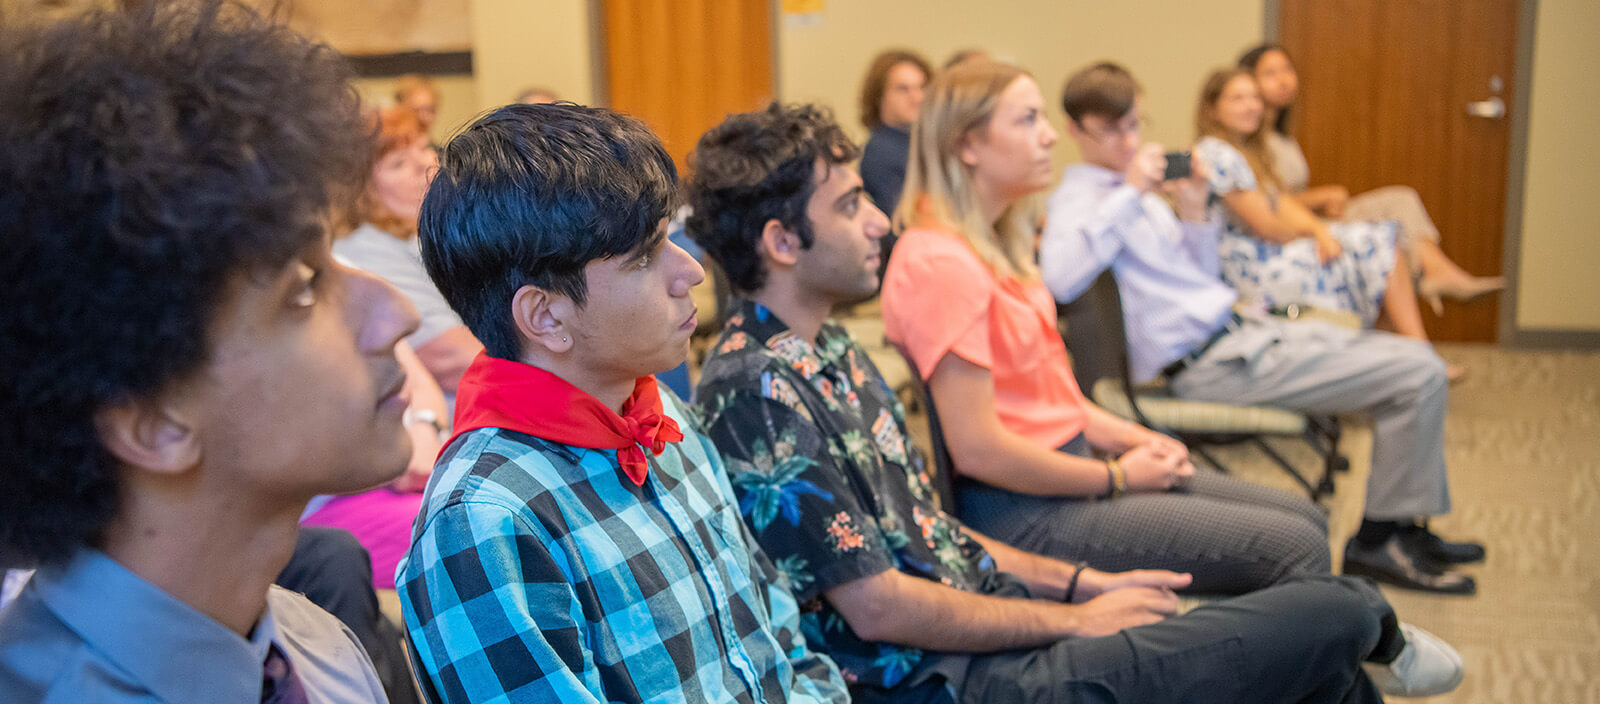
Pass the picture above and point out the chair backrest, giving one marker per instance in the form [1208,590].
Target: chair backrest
[1094,332]
[943,467]
[1097,337]
[419,675]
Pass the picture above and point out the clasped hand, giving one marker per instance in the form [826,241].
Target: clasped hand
[1158,463]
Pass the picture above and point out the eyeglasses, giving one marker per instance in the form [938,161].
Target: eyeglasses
[1117,130]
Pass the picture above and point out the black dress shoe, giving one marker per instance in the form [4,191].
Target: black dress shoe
[1391,562]
[1421,540]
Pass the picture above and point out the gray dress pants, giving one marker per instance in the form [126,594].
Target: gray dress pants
[1314,367]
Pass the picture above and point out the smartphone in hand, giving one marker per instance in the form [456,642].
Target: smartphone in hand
[1178,166]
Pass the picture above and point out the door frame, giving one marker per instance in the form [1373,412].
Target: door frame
[1508,332]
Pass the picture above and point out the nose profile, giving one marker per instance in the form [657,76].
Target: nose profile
[380,315]
[691,276]
[877,221]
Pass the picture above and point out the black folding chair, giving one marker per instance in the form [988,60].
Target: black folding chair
[1094,332]
[419,675]
[944,477]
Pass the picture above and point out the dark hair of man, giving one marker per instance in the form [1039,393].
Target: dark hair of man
[756,167]
[528,195]
[877,81]
[1105,89]
[1249,60]
[150,159]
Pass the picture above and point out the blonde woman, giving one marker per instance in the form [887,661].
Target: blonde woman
[963,299]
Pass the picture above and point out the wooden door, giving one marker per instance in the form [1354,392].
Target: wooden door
[684,65]
[1384,93]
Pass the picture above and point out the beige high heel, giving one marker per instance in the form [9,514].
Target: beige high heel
[1432,290]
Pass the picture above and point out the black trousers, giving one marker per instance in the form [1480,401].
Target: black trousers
[332,570]
[1299,641]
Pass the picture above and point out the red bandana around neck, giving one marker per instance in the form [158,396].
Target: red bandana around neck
[497,393]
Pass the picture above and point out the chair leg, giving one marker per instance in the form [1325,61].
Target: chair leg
[1287,468]
[1201,451]
[1323,434]
[1332,460]
[1326,447]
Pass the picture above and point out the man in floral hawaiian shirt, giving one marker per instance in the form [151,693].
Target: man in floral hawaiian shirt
[911,604]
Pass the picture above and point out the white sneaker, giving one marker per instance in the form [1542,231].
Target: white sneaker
[1426,666]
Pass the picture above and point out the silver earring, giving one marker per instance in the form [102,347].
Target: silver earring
[563,339]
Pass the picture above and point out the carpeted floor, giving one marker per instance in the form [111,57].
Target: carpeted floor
[1523,439]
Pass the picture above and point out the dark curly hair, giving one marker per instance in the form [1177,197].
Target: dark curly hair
[149,158]
[529,195]
[755,167]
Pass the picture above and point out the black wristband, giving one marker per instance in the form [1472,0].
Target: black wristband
[1072,584]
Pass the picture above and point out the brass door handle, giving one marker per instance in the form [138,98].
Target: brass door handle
[1492,109]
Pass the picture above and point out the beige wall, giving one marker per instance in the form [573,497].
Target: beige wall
[515,44]
[1560,262]
[520,43]
[1169,45]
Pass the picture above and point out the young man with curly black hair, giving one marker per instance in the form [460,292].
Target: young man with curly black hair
[579,540]
[184,364]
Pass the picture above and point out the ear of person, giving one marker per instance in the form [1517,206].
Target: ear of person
[153,435]
[780,243]
[541,316]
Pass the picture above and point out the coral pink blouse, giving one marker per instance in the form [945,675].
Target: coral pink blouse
[939,298]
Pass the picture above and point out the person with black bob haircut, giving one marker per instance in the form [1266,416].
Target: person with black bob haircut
[579,508]
[185,365]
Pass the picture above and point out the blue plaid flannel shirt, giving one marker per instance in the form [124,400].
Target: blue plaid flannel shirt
[539,572]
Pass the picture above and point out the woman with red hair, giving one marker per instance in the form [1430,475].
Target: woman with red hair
[382,239]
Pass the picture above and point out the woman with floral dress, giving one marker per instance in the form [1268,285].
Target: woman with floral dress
[1274,251]
[1437,275]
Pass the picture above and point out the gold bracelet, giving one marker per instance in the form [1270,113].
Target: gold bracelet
[1118,478]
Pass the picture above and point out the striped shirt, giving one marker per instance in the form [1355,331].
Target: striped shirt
[1166,270]
[539,572]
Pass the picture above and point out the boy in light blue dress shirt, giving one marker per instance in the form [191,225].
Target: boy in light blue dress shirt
[1108,213]
[184,364]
